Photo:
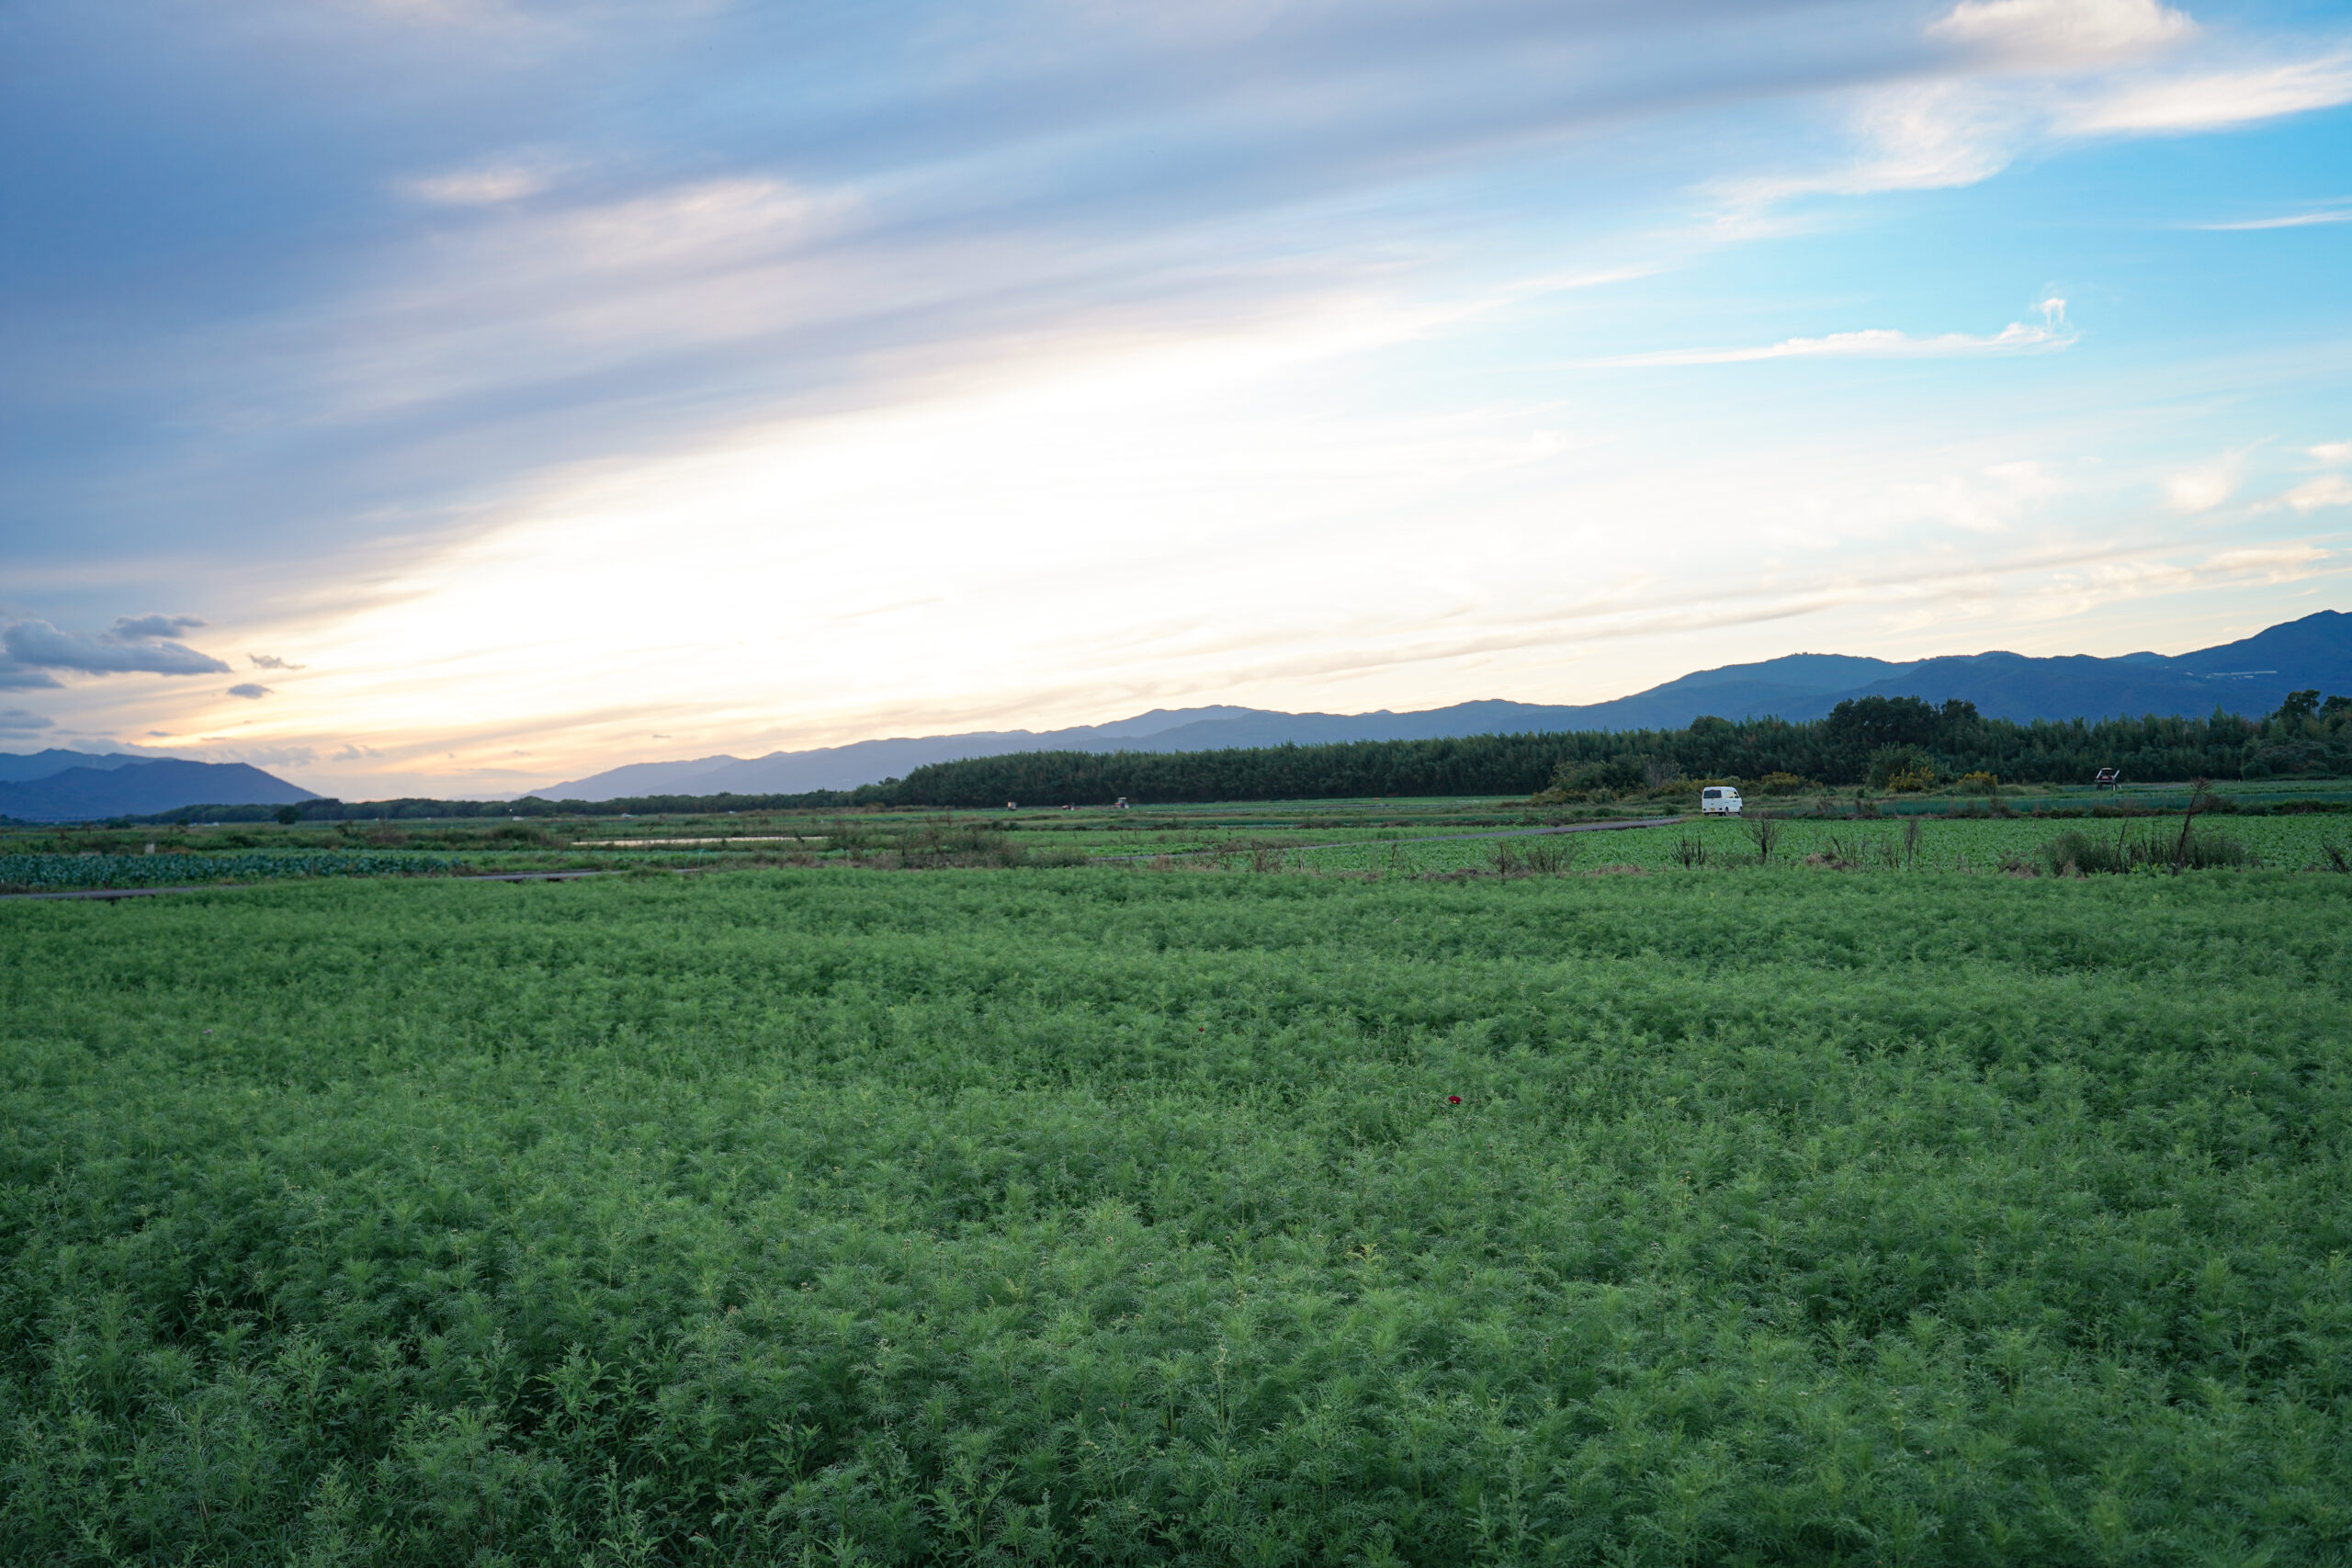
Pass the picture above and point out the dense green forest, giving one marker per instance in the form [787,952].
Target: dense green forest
[1870,741]
[1865,741]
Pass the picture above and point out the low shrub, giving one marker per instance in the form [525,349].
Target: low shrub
[1904,770]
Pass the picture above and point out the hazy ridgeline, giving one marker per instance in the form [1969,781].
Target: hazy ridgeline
[1850,746]
[1112,1216]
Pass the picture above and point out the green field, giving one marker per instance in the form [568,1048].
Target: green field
[2300,824]
[1121,1215]
[2292,842]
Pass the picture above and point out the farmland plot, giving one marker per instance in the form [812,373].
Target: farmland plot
[2287,842]
[1126,1216]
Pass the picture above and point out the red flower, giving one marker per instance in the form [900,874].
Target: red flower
[1453,1099]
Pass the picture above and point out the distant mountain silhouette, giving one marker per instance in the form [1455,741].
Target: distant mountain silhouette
[2250,676]
[130,787]
[16,767]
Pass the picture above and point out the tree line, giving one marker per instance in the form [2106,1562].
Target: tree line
[1864,740]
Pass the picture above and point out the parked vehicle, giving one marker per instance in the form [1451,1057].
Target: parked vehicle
[1720,800]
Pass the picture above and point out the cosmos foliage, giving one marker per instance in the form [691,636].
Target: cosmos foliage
[1106,1215]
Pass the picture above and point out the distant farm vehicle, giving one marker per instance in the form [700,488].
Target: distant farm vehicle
[2108,778]
[1719,800]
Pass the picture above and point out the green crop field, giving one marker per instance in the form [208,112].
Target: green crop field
[818,1215]
[2289,826]
[1983,845]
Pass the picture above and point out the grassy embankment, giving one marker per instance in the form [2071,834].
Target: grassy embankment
[1102,1216]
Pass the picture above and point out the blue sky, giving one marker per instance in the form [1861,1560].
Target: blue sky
[485,394]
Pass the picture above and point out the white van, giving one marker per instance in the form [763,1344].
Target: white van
[1719,799]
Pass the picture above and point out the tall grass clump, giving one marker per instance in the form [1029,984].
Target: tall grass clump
[1546,855]
[2076,852]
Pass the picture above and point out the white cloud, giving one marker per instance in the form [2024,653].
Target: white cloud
[2204,487]
[2211,100]
[2329,489]
[1929,136]
[1877,343]
[2062,33]
[2048,71]
[2332,452]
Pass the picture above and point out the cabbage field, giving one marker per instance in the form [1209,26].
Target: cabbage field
[1765,1213]
[38,872]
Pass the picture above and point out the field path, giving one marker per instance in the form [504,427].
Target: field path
[1433,839]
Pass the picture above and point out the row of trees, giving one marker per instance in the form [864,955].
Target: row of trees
[1864,741]
[1859,738]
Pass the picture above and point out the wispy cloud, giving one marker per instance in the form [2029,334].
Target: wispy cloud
[249,691]
[2328,489]
[1877,343]
[2040,73]
[2211,100]
[2051,34]
[20,721]
[2292,220]
[487,186]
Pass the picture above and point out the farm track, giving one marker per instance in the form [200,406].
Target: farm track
[1437,839]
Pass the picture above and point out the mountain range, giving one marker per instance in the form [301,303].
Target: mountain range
[2250,676]
[59,785]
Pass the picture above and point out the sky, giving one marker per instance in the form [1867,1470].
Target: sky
[432,397]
